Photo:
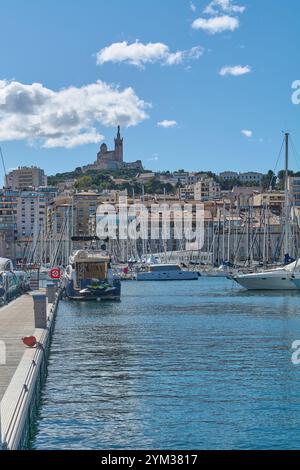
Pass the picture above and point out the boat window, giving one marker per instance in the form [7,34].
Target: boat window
[159,268]
[91,271]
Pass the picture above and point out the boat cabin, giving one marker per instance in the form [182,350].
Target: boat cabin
[154,268]
[88,268]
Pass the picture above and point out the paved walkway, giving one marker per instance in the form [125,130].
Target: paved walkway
[16,321]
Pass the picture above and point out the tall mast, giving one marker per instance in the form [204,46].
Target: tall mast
[287,205]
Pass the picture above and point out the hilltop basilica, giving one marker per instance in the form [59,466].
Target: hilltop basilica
[112,159]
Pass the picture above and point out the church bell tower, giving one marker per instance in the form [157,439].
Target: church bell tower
[119,147]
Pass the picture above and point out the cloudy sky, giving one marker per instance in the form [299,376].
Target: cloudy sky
[197,84]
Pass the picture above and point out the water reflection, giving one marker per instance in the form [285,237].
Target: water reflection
[174,365]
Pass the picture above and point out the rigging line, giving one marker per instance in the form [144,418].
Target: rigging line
[277,162]
[296,154]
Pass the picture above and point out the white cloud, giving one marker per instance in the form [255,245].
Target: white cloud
[247,133]
[223,15]
[140,54]
[217,24]
[71,141]
[66,118]
[193,7]
[166,123]
[236,70]
[217,6]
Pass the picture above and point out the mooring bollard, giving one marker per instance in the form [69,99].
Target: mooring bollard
[40,310]
[51,292]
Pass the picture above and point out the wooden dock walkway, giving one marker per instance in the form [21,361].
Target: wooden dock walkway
[16,321]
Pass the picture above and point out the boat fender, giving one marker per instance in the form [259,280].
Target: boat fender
[30,341]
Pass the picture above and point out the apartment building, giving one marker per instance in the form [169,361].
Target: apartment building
[248,177]
[26,177]
[187,192]
[8,222]
[31,214]
[229,175]
[275,200]
[74,211]
[294,189]
[206,189]
[251,177]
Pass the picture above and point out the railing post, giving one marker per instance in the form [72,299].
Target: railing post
[51,292]
[40,310]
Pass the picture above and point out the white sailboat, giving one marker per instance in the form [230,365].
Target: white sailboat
[279,278]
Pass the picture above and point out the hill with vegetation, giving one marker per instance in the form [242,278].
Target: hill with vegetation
[127,179]
[112,180]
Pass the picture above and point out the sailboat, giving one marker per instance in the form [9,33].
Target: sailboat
[280,278]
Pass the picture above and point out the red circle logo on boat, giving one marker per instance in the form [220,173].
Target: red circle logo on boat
[55,273]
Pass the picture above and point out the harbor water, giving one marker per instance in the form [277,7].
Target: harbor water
[174,365]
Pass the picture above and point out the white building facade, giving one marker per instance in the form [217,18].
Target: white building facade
[32,211]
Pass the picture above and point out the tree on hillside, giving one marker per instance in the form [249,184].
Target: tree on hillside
[281,179]
[84,182]
[269,180]
[227,185]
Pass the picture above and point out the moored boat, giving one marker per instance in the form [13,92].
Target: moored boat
[166,272]
[295,278]
[89,276]
[282,278]
[275,279]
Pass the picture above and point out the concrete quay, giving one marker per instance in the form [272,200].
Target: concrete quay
[23,369]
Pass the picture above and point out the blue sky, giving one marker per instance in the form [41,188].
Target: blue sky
[55,43]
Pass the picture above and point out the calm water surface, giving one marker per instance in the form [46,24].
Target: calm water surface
[176,365]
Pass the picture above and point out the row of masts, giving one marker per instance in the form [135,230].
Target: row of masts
[246,243]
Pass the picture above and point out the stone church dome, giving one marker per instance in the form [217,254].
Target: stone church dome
[103,148]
